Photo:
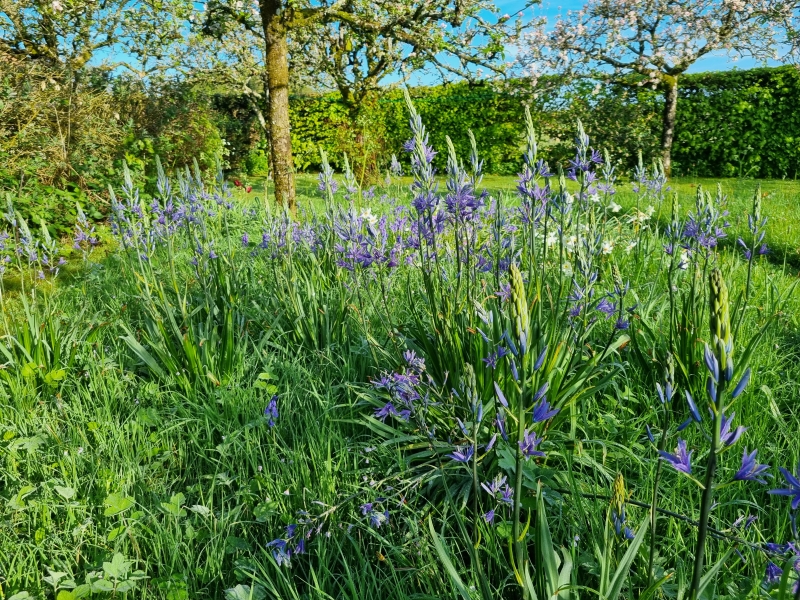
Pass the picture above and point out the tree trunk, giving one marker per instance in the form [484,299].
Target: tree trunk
[277,70]
[670,83]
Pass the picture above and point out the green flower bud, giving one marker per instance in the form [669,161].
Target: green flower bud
[469,385]
[519,308]
[719,318]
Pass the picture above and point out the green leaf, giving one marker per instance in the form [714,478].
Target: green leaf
[264,510]
[245,592]
[67,493]
[448,565]
[102,585]
[116,532]
[116,504]
[28,370]
[54,377]
[175,505]
[711,574]
[621,574]
[17,501]
[118,567]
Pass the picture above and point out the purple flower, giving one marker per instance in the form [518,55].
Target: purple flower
[529,443]
[245,240]
[695,414]
[773,575]
[500,395]
[414,362]
[489,517]
[621,324]
[750,469]
[681,460]
[665,394]
[543,412]
[271,411]
[728,437]
[280,551]
[607,307]
[507,495]
[389,409]
[742,384]
[501,425]
[540,359]
[495,486]
[793,488]
[504,293]
[462,456]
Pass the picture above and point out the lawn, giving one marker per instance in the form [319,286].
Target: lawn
[234,402]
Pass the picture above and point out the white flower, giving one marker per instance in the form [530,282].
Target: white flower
[571,243]
[650,210]
[607,247]
[684,261]
[594,198]
[566,268]
[57,6]
[367,215]
[630,246]
[614,207]
[552,238]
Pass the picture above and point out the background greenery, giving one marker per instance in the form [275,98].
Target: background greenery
[61,144]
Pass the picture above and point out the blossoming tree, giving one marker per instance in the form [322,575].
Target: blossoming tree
[355,44]
[653,42]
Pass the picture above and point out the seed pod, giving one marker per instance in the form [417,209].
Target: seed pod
[519,308]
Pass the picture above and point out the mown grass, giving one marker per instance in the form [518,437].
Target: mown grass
[189,483]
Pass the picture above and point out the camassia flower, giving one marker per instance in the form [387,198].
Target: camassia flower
[681,460]
[271,411]
[529,443]
[792,489]
[750,469]
[462,456]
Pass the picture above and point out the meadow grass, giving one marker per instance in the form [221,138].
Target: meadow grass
[145,466]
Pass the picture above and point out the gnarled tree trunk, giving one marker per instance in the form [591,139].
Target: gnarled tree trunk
[670,83]
[277,69]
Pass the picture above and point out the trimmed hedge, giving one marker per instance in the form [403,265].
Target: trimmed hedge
[733,123]
[739,124]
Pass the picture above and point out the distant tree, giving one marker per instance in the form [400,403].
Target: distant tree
[355,44]
[653,42]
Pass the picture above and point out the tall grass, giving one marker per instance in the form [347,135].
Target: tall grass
[423,390]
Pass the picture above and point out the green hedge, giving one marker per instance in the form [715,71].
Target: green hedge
[739,123]
[733,123]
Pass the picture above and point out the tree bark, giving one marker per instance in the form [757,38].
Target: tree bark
[277,76]
[670,83]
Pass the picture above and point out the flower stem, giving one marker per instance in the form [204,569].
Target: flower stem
[518,543]
[707,498]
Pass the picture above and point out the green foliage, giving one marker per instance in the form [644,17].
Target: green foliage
[739,124]
[729,124]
